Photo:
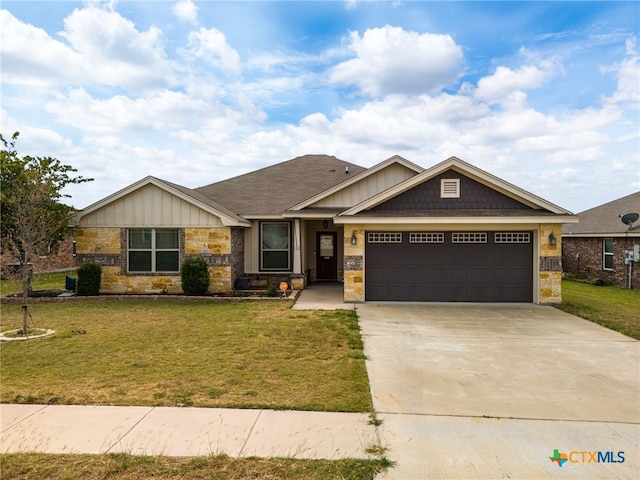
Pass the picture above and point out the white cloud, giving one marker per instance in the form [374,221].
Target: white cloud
[210,45]
[30,57]
[628,73]
[114,52]
[506,85]
[391,60]
[186,11]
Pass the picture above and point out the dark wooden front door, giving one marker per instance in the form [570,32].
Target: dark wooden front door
[327,255]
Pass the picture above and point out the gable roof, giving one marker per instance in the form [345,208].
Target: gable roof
[604,220]
[533,202]
[227,217]
[396,159]
[272,190]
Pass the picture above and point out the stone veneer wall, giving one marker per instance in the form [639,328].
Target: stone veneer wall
[353,264]
[550,274]
[583,256]
[108,247]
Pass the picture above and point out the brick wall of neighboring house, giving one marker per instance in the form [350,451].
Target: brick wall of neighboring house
[584,256]
[64,259]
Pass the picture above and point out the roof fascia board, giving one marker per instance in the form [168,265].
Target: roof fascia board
[356,178]
[466,169]
[226,219]
[602,235]
[453,220]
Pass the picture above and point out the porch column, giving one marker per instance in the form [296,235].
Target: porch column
[297,247]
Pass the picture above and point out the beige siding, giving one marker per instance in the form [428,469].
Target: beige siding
[150,206]
[367,187]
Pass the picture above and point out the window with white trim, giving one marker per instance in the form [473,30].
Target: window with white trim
[426,237]
[607,254]
[512,237]
[153,250]
[450,188]
[468,237]
[384,237]
[275,246]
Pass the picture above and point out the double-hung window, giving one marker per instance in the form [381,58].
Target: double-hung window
[607,254]
[153,250]
[275,246]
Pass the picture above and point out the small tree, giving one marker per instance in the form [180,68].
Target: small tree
[33,219]
[195,276]
[89,277]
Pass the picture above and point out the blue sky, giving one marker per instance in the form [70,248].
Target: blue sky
[543,94]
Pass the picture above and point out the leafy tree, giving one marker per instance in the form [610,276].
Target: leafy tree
[34,221]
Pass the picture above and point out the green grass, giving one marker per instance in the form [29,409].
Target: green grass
[182,353]
[612,307]
[41,281]
[128,467]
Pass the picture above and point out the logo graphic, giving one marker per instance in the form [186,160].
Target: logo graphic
[559,458]
[587,457]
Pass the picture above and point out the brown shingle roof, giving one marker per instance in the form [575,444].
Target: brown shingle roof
[605,219]
[271,190]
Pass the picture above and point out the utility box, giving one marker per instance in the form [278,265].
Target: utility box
[70,283]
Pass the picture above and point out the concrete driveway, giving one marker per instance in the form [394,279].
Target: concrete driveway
[490,391]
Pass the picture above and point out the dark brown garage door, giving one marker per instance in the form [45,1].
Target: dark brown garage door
[449,266]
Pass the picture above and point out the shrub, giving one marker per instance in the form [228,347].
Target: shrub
[272,290]
[195,276]
[89,276]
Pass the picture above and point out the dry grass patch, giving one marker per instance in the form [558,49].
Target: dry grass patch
[181,353]
[128,467]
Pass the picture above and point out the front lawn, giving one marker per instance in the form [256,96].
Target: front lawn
[40,281]
[612,307]
[34,466]
[186,353]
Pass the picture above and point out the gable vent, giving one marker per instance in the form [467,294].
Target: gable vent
[450,188]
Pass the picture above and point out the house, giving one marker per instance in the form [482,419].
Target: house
[598,245]
[395,231]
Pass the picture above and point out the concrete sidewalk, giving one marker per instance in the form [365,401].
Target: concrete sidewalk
[184,431]
[322,296]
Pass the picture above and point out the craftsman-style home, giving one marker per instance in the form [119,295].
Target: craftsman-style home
[395,232]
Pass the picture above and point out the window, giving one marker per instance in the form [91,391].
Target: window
[469,237]
[607,254]
[153,250]
[426,237]
[390,237]
[450,188]
[275,241]
[512,237]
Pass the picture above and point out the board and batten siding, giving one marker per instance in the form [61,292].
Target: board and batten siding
[150,206]
[367,187]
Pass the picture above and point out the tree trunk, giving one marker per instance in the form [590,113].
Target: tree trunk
[26,287]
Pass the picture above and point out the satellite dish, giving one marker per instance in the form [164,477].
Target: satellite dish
[629,218]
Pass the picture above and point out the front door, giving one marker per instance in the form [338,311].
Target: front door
[327,256]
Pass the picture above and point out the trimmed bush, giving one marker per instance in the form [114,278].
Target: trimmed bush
[195,276]
[89,277]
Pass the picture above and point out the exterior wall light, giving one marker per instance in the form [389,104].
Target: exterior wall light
[325,224]
[354,239]
[552,239]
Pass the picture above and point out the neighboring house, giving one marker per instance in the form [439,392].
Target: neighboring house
[63,259]
[395,231]
[597,246]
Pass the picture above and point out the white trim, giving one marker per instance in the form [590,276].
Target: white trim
[601,235]
[468,170]
[356,178]
[340,220]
